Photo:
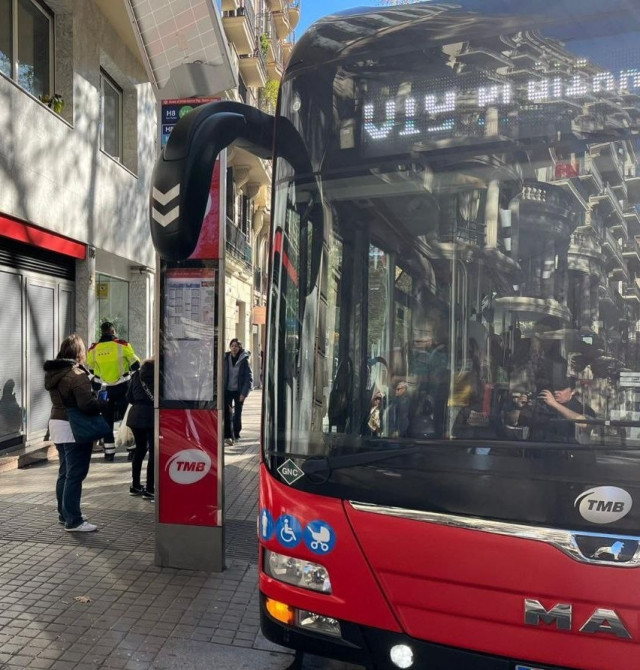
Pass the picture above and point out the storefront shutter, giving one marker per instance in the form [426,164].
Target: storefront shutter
[24,257]
[11,349]
[40,320]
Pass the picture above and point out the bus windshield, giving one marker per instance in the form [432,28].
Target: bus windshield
[456,274]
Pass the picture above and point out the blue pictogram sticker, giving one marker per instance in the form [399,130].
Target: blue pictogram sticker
[319,537]
[288,531]
[266,525]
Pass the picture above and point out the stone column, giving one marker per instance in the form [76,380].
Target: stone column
[141,299]
[85,299]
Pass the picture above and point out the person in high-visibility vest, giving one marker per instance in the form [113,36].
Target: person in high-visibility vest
[111,362]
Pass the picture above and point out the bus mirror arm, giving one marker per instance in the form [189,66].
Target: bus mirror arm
[182,175]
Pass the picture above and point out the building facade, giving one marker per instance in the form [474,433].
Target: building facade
[81,84]
[77,148]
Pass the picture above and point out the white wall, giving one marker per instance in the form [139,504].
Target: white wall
[52,171]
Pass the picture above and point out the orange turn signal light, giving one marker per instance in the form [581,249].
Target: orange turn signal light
[281,611]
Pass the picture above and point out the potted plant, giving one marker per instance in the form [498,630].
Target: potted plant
[270,94]
[265,43]
[54,102]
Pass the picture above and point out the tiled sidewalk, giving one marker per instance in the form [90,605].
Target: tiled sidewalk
[97,600]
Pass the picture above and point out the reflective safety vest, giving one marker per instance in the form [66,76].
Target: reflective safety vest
[111,361]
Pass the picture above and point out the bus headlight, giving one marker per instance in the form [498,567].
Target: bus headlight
[297,572]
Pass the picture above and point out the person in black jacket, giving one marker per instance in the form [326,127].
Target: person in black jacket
[140,420]
[238,380]
[67,380]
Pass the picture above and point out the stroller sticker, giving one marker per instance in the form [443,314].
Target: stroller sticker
[266,525]
[288,531]
[319,537]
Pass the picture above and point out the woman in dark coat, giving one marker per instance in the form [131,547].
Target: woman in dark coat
[140,420]
[67,380]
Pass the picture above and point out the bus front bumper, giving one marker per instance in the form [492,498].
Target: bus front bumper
[383,650]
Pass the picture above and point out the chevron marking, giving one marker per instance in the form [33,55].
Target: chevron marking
[165,219]
[164,198]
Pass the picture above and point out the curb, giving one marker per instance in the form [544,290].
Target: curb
[26,456]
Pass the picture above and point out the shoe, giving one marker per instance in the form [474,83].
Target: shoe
[229,442]
[148,495]
[84,527]
[109,458]
[136,490]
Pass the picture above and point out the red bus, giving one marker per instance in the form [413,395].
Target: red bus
[451,426]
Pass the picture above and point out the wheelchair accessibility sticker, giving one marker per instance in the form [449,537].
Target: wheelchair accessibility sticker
[267,526]
[319,537]
[288,531]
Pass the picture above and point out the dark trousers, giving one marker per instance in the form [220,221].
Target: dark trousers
[232,415]
[116,407]
[144,443]
[75,458]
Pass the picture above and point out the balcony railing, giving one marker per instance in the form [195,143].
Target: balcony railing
[237,243]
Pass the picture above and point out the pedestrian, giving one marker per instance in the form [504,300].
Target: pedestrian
[111,361]
[69,385]
[140,420]
[238,379]
[398,413]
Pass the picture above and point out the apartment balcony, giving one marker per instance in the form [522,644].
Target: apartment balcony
[484,58]
[609,209]
[609,163]
[294,14]
[230,5]
[631,253]
[237,245]
[631,294]
[253,69]
[276,5]
[614,260]
[633,188]
[287,50]
[584,250]
[610,303]
[584,171]
[547,209]
[239,25]
[632,218]
[275,60]
[286,18]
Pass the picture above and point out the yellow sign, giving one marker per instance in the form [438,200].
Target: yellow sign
[102,290]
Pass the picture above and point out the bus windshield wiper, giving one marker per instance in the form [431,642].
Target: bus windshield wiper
[322,466]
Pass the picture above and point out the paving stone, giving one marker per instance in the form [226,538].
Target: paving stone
[139,616]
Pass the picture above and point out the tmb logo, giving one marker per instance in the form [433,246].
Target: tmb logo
[604,504]
[189,466]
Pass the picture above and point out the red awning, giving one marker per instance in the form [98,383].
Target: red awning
[25,232]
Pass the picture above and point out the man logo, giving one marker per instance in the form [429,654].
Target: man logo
[189,466]
[604,504]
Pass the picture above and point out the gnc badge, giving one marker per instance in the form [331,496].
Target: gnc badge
[189,466]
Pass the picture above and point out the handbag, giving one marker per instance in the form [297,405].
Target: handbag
[124,435]
[87,427]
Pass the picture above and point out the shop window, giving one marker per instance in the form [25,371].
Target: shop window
[113,305]
[26,45]
[111,116]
